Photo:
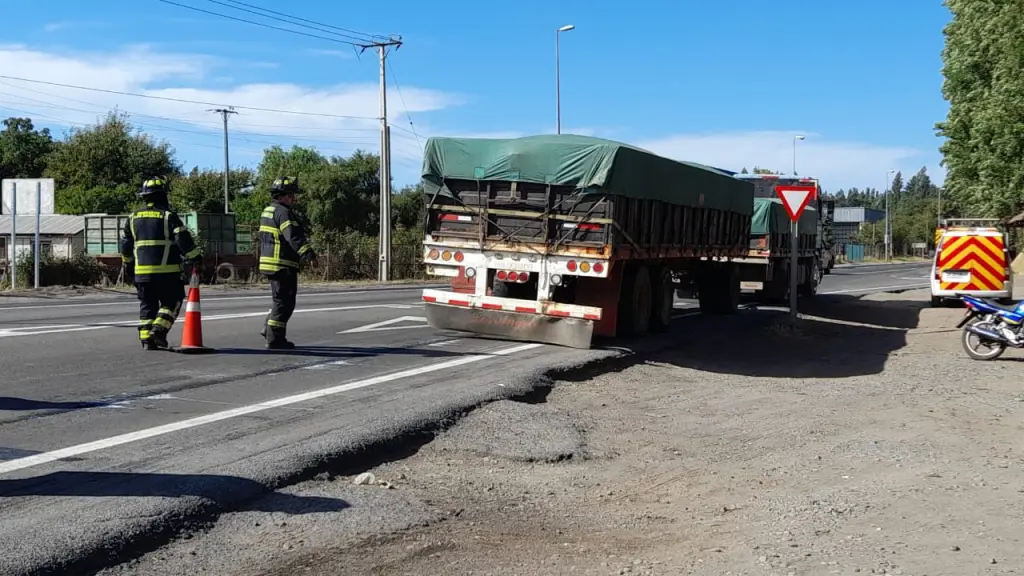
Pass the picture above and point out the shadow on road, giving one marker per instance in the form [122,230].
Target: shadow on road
[24,404]
[342,352]
[226,492]
[841,336]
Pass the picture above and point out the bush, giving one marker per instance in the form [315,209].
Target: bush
[80,270]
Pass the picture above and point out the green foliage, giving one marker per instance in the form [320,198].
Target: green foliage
[23,149]
[99,199]
[202,190]
[81,270]
[108,154]
[983,69]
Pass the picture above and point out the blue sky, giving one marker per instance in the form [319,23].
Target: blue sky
[727,83]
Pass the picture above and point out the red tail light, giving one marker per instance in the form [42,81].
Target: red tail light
[598,267]
[571,266]
[513,277]
[459,257]
[588,226]
[502,275]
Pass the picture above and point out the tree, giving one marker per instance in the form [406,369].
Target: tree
[108,155]
[895,190]
[983,69]
[409,208]
[202,190]
[23,149]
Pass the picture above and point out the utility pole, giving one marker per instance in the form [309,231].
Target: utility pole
[384,237]
[227,165]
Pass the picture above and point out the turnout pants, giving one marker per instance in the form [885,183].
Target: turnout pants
[284,287]
[159,305]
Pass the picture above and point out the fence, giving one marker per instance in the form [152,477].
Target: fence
[848,253]
[351,261]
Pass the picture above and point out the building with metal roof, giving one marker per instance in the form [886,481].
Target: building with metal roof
[60,235]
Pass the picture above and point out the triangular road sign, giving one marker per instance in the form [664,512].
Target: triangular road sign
[795,199]
[420,322]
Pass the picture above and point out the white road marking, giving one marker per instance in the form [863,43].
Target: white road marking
[327,365]
[876,289]
[89,447]
[444,343]
[58,329]
[387,325]
[208,299]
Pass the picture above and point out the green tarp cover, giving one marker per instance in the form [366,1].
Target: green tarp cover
[591,165]
[770,217]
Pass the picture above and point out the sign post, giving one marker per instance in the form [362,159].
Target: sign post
[794,200]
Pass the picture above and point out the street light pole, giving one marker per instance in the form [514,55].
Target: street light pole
[558,78]
[795,138]
[888,225]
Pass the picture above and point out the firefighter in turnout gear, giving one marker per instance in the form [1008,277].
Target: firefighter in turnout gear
[157,245]
[283,248]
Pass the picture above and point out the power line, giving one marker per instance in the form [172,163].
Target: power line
[272,27]
[185,101]
[182,120]
[408,116]
[312,24]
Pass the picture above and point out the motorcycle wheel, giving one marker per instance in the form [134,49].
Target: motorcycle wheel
[979,348]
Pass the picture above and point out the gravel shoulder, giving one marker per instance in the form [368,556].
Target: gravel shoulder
[863,441]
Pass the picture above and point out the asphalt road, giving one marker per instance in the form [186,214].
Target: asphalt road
[101,442]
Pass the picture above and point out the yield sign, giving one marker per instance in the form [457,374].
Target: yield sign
[795,199]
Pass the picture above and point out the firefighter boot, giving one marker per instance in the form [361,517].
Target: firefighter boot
[276,339]
[158,338]
[148,344]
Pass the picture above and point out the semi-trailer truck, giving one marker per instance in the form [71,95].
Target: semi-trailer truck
[561,238]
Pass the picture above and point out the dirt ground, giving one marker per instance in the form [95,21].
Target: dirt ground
[861,443]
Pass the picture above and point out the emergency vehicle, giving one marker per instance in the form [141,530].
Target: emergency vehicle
[971,257]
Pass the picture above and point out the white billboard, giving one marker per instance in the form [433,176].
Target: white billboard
[26,196]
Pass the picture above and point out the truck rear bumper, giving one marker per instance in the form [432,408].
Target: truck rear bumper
[509,318]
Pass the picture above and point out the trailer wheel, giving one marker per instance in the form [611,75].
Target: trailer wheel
[663,300]
[810,288]
[635,306]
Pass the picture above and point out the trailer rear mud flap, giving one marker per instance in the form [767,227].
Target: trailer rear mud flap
[525,327]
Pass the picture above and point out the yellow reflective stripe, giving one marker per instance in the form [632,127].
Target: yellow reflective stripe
[179,229]
[305,248]
[148,214]
[167,239]
[152,243]
[285,224]
[163,323]
[193,254]
[272,260]
[144,334]
[126,259]
[141,270]
[277,324]
[269,230]
[145,322]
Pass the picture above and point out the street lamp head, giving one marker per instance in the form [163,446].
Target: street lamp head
[798,137]
[567,27]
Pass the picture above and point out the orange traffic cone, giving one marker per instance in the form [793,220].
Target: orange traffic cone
[192,331]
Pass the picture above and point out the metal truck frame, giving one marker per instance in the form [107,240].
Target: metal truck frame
[562,263]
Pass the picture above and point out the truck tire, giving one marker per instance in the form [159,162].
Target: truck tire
[662,300]
[635,305]
[810,288]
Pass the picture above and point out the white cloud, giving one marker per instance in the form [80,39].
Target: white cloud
[343,54]
[352,108]
[837,164]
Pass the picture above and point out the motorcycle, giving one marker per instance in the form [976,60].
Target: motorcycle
[989,328]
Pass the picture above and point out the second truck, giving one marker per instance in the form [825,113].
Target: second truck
[764,270]
[561,238]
